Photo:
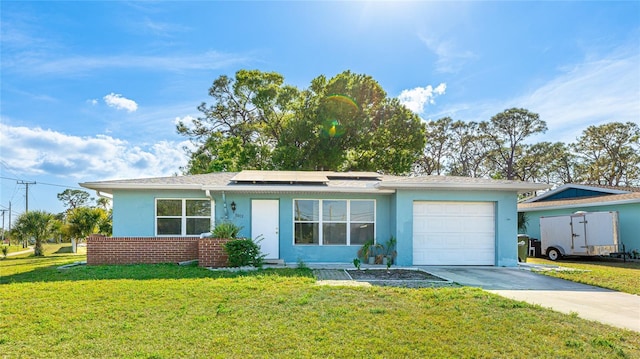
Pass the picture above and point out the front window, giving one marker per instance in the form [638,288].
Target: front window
[183,217]
[341,222]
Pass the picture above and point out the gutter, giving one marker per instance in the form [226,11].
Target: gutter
[580,205]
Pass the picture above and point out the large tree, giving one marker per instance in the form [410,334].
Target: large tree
[438,150]
[610,154]
[547,162]
[37,225]
[241,127]
[343,123]
[74,198]
[507,131]
[469,150]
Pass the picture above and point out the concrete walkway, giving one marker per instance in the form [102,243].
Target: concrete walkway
[28,250]
[606,306]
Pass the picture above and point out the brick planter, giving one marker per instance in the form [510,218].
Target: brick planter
[137,250]
[211,252]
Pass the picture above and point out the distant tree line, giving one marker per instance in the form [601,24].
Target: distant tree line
[608,154]
[79,220]
[348,122]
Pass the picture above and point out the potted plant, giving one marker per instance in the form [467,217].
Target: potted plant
[390,251]
[367,251]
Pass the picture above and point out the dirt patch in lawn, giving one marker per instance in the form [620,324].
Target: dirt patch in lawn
[393,274]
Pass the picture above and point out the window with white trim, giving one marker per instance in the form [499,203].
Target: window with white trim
[333,221]
[183,217]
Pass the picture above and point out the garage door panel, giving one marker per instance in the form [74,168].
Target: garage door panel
[454,233]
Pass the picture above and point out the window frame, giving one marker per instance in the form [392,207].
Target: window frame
[183,216]
[321,221]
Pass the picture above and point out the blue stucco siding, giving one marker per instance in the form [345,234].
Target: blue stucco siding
[505,217]
[134,215]
[290,252]
[628,221]
[134,210]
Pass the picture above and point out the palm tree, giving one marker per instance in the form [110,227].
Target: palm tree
[37,225]
[84,221]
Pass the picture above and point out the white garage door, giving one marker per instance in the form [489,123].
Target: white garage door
[453,233]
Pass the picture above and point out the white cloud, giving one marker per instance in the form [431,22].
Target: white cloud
[36,151]
[49,64]
[187,120]
[450,58]
[93,101]
[593,92]
[121,103]
[415,99]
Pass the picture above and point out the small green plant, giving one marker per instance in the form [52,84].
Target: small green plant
[356,263]
[244,252]
[390,252]
[5,251]
[302,264]
[366,250]
[226,230]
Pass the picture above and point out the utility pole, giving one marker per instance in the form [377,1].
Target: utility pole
[26,185]
[3,210]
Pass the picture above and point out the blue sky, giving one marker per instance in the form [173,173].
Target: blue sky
[92,90]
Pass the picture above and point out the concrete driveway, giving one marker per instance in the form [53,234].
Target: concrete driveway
[606,306]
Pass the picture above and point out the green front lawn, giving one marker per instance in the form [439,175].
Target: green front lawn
[166,311]
[616,275]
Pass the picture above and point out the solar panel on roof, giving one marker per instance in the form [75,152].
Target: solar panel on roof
[280,177]
[354,175]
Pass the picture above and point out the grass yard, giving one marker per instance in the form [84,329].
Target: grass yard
[166,311]
[623,277]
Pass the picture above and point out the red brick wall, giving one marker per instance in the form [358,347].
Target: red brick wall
[134,250]
[211,252]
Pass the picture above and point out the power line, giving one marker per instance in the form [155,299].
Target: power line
[42,183]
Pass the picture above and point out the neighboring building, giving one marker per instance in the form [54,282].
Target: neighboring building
[327,216]
[571,198]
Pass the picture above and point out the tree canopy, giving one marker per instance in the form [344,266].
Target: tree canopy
[344,123]
[74,198]
[347,122]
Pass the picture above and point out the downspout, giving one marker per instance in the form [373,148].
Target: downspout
[224,205]
[207,194]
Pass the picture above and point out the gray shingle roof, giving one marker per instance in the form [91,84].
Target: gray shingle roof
[352,182]
[632,197]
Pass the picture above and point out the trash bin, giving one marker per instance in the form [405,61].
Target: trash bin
[523,247]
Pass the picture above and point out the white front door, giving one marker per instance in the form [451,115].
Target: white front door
[265,221]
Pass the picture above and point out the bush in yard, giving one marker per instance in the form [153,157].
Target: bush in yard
[226,230]
[243,252]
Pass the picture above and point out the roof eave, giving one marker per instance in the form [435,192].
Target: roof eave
[580,205]
[108,187]
[520,188]
[576,186]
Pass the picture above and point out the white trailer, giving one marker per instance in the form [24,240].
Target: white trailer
[579,234]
